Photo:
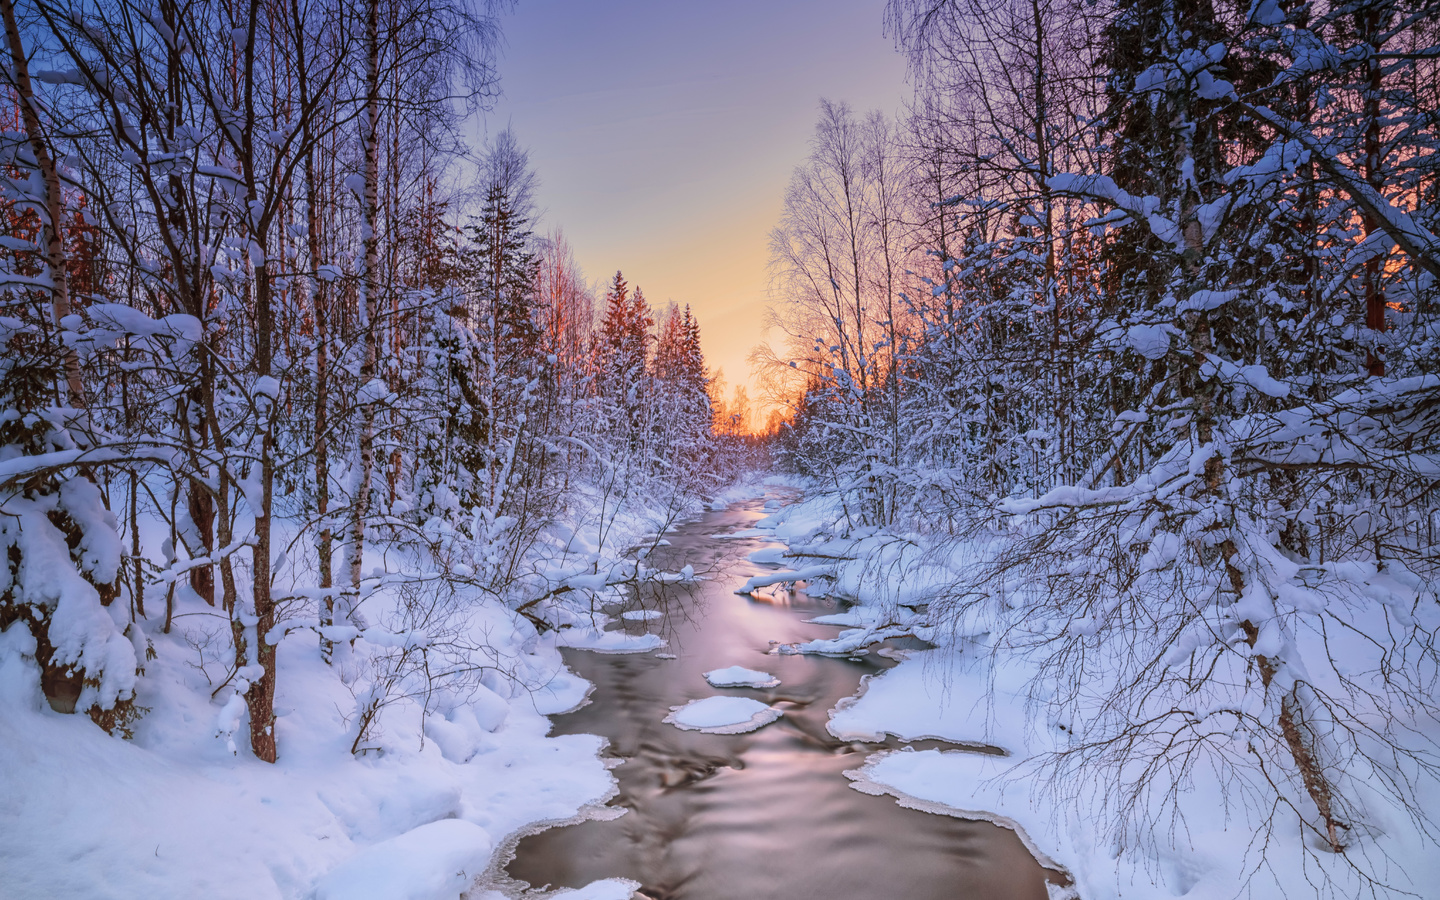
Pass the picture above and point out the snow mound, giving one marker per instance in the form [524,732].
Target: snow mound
[936,694]
[722,715]
[960,784]
[768,555]
[642,615]
[608,641]
[739,676]
[433,862]
[608,889]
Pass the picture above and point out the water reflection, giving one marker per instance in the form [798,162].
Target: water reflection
[767,814]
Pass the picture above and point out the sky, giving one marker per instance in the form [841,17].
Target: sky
[664,133]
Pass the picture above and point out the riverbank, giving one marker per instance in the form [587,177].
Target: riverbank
[442,778]
[1192,827]
[766,812]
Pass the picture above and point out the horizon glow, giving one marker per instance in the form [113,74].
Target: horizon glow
[664,134]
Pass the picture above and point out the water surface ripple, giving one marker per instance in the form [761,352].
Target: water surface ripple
[762,815]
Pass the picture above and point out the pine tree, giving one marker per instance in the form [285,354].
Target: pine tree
[504,264]
[622,360]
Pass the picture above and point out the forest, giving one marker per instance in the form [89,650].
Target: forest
[1109,368]
[1122,346]
[236,294]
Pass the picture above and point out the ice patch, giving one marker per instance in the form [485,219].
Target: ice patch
[608,889]
[935,694]
[722,715]
[641,615]
[608,641]
[856,618]
[739,676]
[742,533]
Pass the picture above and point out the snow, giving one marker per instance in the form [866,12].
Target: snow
[124,320]
[739,676]
[960,696]
[436,861]
[722,715]
[173,814]
[956,783]
[589,638]
[185,810]
[642,615]
[767,556]
[978,692]
[83,632]
[1150,341]
[606,889]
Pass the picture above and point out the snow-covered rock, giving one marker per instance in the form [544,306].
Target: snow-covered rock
[739,676]
[722,715]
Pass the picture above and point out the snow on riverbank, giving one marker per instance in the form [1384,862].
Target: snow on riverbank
[443,777]
[174,815]
[981,693]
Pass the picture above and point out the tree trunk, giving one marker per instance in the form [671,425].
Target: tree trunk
[260,698]
[202,513]
[1374,296]
[1204,393]
[324,544]
[55,258]
[370,128]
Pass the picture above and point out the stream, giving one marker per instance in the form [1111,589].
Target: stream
[765,814]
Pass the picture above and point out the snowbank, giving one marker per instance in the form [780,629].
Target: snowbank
[432,862]
[174,815]
[444,776]
[978,692]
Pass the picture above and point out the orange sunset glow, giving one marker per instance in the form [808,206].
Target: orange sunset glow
[664,134]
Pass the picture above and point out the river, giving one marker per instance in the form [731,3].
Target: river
[766,814]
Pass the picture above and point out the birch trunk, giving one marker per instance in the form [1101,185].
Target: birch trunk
[370,128]
[55,258]
[319,304]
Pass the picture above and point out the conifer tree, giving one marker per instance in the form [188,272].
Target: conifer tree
[623,360]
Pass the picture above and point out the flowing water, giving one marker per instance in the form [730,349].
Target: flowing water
[767,814]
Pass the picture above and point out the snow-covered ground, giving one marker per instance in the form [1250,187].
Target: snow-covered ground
[444,781]
[977,693]
[184,810]
[174,813]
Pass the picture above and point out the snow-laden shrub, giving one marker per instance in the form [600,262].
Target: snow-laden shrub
[60,543]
